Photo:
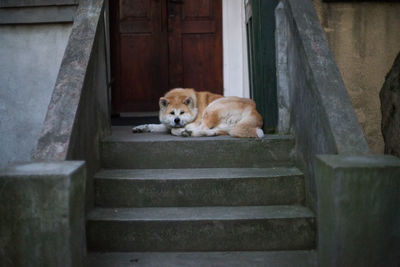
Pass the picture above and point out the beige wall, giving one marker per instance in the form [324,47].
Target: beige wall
[365,39]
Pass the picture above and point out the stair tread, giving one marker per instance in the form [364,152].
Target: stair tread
[300,258]
[124,134]
[200,213]
[125,150]
[199,173]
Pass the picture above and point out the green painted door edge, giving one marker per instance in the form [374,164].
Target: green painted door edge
[260,26]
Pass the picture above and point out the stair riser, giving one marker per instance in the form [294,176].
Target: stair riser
[199,192]
[197,154]
[226,235]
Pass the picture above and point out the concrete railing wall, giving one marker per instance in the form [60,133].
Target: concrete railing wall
[355,195]
[43,206]
[358,210]
[319,109]
[42,214]
[93,121]
[78,116]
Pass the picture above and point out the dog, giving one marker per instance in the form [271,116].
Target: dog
[186,112]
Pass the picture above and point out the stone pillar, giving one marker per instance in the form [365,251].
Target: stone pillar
[282,37]
[358,210]
[42,214]
[390,108]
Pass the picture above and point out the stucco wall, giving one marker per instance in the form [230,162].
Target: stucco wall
[365,39]
[30,56]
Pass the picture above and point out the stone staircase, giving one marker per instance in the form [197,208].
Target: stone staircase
[163,200]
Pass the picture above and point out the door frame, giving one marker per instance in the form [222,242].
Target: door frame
[234,39]
[234,47]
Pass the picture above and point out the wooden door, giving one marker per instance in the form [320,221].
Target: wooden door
[161,44]
[195,44]
[139,54]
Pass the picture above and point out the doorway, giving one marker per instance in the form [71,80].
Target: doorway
[161,44]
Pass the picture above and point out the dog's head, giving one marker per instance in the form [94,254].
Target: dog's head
[178,108]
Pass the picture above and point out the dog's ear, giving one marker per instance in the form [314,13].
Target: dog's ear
[189,102]
[163,103]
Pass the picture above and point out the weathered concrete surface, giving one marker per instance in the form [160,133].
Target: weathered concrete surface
[322,116]
[301,258]
[199,187]
[125,150]
[364,39]
[390,108]
[42,214]
[79,113]
[93,118]
[30,57]
[358,210]
[282,38]
[201,229]
[54,141]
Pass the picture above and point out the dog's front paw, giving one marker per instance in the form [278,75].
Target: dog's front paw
[140,129]
[186,133]
[177,131]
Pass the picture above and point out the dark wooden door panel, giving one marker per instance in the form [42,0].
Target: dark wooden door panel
[141,55]
[199,72]
[160,44]
[195,45]
[136,16]
[200,16]
[139,67]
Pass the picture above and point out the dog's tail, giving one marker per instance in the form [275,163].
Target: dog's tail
[244,131]
[260,133]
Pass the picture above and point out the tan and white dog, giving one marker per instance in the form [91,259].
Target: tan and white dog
[186,112]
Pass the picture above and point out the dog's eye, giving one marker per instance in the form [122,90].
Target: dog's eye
[182,112]
[172,113]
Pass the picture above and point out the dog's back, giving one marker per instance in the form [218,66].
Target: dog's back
[203,100]
[235,116]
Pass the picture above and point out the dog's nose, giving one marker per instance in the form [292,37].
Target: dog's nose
[177,120]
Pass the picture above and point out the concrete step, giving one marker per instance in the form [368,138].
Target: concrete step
[248,228]
[125,150]
[302,258]
[199,187]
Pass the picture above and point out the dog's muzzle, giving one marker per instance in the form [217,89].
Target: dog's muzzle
[177,123]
